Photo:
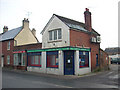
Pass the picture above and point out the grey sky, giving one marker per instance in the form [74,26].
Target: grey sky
[104,15]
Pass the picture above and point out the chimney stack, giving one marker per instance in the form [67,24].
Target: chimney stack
[5,29]
[34,32]
[87,16]
[25,23]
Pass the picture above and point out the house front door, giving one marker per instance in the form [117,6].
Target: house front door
[68,62]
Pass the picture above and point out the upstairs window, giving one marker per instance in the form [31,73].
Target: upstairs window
[50,35]
[55,34]
[8,45]
[59,34]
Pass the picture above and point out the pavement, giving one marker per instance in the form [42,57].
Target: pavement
[24,79]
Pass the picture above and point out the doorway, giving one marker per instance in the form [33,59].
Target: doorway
[68,62]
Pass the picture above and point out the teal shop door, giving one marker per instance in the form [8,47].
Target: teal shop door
[68,62]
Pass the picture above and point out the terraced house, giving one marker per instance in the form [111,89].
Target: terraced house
[15,37]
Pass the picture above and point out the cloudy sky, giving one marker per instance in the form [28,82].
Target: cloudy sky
[104,15]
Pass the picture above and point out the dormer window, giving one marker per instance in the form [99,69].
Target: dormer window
[55,34]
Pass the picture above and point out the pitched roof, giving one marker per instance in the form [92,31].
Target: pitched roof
[11,34]
[74,24]
[113,50]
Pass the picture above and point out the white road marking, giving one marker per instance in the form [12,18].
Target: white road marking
[52,84]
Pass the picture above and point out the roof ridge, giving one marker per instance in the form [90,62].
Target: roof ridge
[14,29]
[68,18]
[10,34]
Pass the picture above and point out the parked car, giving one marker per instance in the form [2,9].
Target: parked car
[115,60]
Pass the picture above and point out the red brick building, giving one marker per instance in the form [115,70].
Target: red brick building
[18,51]
[15,37]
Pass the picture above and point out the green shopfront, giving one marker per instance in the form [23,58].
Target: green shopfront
[60,61]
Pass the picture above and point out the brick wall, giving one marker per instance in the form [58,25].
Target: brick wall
[104,59]
[28,47]
[79,38]
[6,52]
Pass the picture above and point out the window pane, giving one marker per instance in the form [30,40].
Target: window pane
[15,59]
[23,59]
[36,60]
[8,59]
[55,34]
[96,59]
[59,34]
[52,59]
[8,45]
[83,59]
[40,60]
[32,59]
[50,35]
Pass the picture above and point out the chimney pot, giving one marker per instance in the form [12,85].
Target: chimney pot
[5,29]
[25,23]
[87,9]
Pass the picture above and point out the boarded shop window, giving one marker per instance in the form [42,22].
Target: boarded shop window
[34,59]
[8,59]
[83,59]
[52,59]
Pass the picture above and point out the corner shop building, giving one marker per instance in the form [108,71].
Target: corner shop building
[61,61]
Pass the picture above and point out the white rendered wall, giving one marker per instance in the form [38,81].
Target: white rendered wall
[80,71]
[59,70]
[55,23]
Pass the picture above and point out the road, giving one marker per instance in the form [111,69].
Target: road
[25,79]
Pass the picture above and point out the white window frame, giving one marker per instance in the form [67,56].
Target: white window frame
[8,59]
[53,39]
[8,45]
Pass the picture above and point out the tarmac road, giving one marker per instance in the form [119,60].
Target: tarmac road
[25,79]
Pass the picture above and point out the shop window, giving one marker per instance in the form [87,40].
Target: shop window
[19,59]
[83,59]
[23,59]
[34,59]
[15,59]
[52,59]
[8,59]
